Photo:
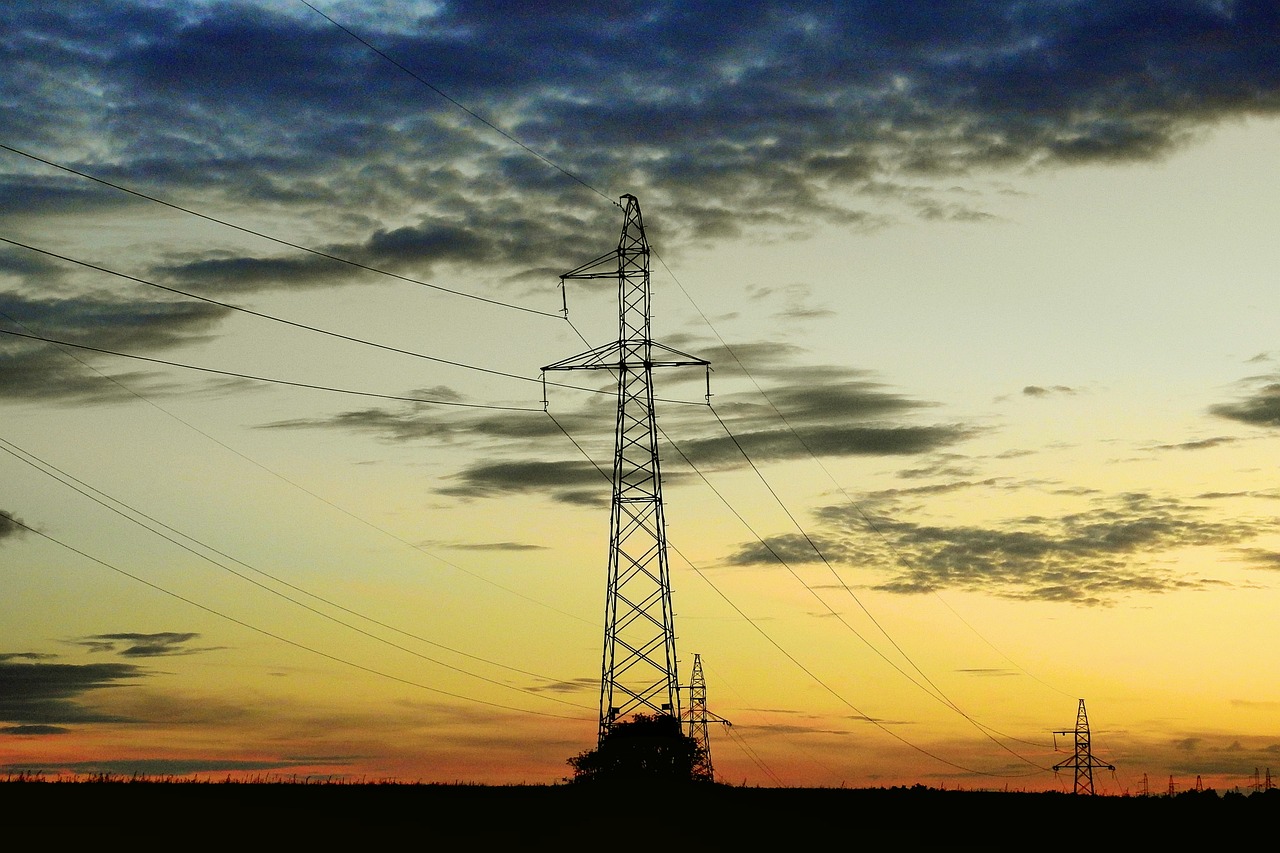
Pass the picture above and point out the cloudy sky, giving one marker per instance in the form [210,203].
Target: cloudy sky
[988,290]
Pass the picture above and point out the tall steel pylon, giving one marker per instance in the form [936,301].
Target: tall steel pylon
[1082,760]
[699,719]
[639,662]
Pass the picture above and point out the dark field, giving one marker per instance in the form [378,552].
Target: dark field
[563,816]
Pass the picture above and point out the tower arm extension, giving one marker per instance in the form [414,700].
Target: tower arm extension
[587,270]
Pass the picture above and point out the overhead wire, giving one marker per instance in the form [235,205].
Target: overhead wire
[233,307]
[275,636]
[307,327]
[794,660]
[474,115]
[134,515]
[318,252]
[898,556]
[248,376]
[456,103]
[62,348]
[933,690]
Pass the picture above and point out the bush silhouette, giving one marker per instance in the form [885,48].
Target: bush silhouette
[646,748]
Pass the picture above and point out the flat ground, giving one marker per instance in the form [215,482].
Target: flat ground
[627,819]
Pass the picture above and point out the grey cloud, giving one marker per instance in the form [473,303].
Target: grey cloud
[1262,558]
[27,731]
[940,465]
[823,440]
[37,370]
[577,685]
[418,422]
[563,479]
[793,548]
[498,546]
[10,525]
[727,128]
[1088,558]
[224,275]
[48,693]
[467,231]
[162,644]
[1199,444]
[1261,408]
[823,410]
[1041,391]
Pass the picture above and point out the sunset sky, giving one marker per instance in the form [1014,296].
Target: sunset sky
[989,290]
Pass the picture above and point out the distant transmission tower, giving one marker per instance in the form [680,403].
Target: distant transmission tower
[699,719]
[1083,760]
[639,666]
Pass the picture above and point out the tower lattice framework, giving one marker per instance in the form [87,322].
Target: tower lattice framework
[639,662]
[700,719]
[1082,760]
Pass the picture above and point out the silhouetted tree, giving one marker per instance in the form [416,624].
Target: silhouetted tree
[645,749]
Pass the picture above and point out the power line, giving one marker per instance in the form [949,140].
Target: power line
[812,675]
[278,240]
[107,502]
[294,324]
[236,375]
[869,522]
[278,637]
[935,692]
[458,104]
[350,338]
[306,491]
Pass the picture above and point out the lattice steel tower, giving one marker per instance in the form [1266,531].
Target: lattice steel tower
[1082,760]
[699,719]
[639,665]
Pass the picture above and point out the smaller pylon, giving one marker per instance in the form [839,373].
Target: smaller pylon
[699,719]
[1082,760]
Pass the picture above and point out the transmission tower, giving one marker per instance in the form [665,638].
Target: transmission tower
[699,719]
[1083,760]
[639,661]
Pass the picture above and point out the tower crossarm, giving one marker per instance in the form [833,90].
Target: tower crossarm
[638,670]
[613,356]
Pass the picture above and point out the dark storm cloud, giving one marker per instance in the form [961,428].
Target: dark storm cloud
[1089,558]
[36,370]
[48,693]
[727,123]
